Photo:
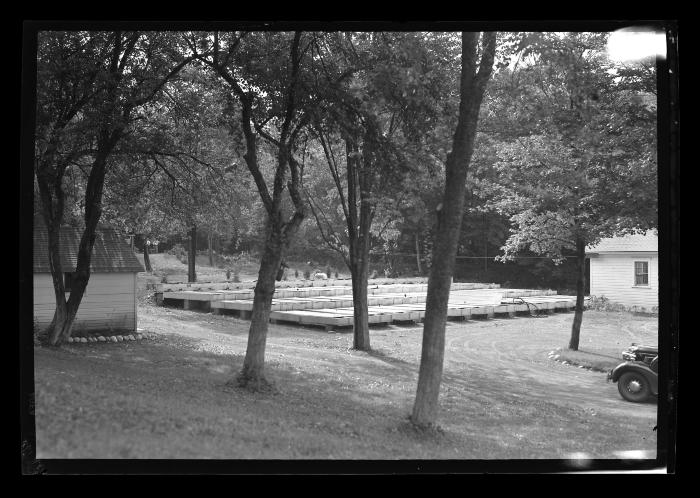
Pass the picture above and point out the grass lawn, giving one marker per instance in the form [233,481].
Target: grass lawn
[502,397]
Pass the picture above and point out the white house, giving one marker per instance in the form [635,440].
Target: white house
[626,270]
[109,302]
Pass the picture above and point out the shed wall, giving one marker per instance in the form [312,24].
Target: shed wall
[612,276]
[109,302]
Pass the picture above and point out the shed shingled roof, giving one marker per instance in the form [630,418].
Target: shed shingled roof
[647,242]
[110,253]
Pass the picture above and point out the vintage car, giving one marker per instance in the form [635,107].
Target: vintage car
[638,376]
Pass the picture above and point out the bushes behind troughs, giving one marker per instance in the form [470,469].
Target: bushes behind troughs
[179,252]
[235,273]
[602,303]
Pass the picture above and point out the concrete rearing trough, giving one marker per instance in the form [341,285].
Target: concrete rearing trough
[328,303]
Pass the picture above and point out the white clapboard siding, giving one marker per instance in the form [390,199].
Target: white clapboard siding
[109,302]
[612,276]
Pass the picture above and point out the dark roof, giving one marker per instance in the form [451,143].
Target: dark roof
[110,253]
[647,242]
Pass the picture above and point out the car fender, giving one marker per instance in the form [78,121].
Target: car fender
[639,367]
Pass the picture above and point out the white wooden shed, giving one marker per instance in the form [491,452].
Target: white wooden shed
[109,302]
[626,270]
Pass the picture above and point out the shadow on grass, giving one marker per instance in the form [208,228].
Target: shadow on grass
[433,434]
[181,351]
[398,362]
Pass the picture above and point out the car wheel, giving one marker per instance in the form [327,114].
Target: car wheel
[633,386]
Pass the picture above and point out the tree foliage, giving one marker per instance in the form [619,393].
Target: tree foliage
[576,153]
[91,89]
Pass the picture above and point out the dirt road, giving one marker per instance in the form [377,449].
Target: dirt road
[526,370]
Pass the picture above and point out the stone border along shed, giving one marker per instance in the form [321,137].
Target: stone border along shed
[109,302]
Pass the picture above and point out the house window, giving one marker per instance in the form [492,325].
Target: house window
[641,273]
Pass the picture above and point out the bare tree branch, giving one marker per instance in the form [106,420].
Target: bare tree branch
[329,236]
[333,166]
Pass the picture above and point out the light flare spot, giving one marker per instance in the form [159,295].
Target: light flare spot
[636,44]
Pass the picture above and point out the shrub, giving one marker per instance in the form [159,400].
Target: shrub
[177,250]
[236,276]
[307,274]
[336,274]
[602,303]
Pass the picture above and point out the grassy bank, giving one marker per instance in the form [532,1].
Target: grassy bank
[169,397]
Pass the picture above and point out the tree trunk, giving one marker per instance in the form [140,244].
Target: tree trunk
[486,247]
[418,265]
[449,222]
[66,310]
[53,230]
[439,283]
[62,323]
[580,291]
[277,243]
[93,212]
[279,233]
[359,225]
[359,273]
[209,249]
[146,258]
[253,375]
[192,255]
[361,322]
